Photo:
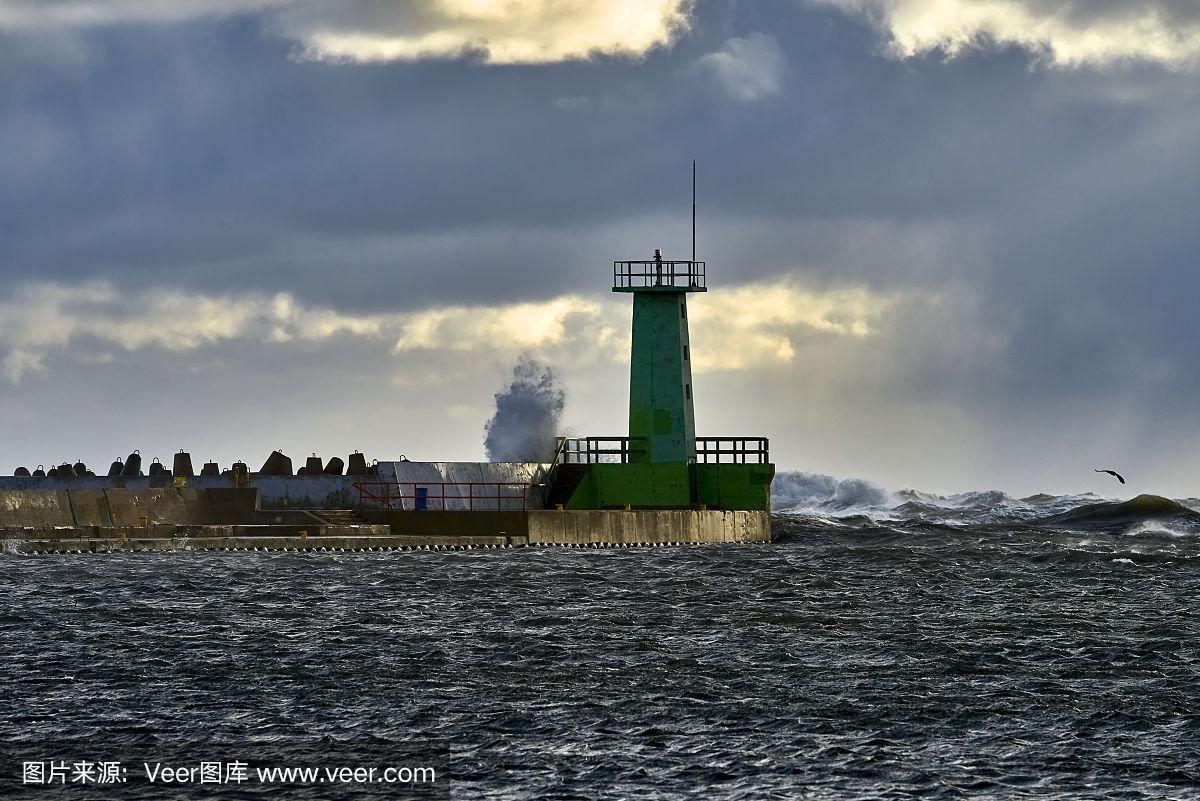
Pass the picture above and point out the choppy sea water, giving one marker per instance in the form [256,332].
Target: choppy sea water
[982,650]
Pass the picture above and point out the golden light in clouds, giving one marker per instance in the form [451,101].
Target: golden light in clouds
[743,327]
[497,31]
[1065,33]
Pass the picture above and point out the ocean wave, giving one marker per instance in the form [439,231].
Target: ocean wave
[818,493]
[821,498]
[1130,515]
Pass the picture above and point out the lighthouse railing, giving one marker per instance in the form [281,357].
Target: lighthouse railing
[733,450]
[619,450]
[600,450]
[658,273]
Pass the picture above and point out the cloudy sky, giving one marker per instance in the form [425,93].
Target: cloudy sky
[951,244]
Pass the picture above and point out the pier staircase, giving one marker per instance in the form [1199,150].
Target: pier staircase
[339,517]
[564,481]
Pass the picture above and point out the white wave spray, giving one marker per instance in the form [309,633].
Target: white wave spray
[821,493]
[816,494]
[527,414]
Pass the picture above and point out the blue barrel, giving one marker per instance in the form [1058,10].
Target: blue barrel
[422,499]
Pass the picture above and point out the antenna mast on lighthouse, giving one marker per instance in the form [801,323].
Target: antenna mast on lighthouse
[693,209]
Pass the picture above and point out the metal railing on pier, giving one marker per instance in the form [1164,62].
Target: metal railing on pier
[463,496]
[619,450]
[598,450]
[733,450]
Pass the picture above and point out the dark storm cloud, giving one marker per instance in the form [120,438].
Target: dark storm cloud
[1052,208]
[206,148]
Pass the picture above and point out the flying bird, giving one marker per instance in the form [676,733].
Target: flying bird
[1118,476]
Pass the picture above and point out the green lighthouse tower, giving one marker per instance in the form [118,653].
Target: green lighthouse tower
[661,415]
[661,464]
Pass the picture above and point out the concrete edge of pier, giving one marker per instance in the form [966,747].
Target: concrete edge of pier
[591,529]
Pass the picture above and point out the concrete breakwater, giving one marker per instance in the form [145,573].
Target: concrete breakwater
[407,531]
[101,515]
[274,492]
[106,521]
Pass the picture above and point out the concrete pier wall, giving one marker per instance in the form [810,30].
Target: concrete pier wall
[237,538]
[21,509]
[646,527]
[561,532]
[275,492]
[585,528]
[35,507]
[456,523]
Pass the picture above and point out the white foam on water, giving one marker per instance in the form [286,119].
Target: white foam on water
[815,493]
[827,497]
[1154,528]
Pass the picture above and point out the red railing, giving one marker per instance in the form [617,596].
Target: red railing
[471,496]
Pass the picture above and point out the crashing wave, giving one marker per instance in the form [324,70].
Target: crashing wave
[986,499]
[819,494]
[816,493]
[826,499]
[1191,503]
[1127,515]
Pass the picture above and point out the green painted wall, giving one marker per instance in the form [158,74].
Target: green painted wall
[642,486]
[667,486]
[735,486]
[661,412]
